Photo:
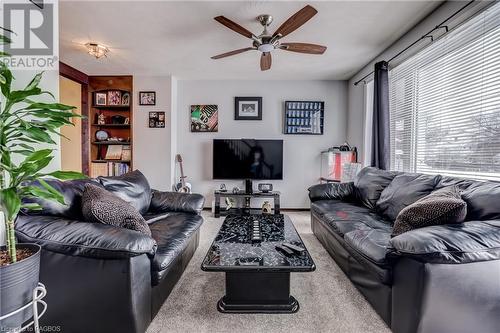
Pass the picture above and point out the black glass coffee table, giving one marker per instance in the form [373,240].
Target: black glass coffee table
[257,273]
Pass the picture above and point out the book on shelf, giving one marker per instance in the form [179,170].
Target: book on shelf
[108,169]
[114,152]
[126,153]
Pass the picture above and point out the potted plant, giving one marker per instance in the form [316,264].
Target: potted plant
[25,124]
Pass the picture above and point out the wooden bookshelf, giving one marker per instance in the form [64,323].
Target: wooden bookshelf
[111,105]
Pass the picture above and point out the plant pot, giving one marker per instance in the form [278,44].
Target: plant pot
[17,282]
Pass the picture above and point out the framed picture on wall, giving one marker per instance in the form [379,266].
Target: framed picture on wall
[147,98]
[248,108]
[204,118]
[156,119]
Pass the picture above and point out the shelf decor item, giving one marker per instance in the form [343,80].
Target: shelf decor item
[156,119]
[204,118]
[147,98]
[101,135]
[125,99]
[304,117]
[248,108]
[27,120]
[114,97]
[100,99]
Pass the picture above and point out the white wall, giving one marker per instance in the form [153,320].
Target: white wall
[50,83]
[355,118]
[301,152]
[152,153]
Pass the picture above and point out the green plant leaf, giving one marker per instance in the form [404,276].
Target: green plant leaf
[5,40]
[10,201]
[7,75]
[50,106]
[37,134]
[34,83]
[36,192]
[20,95]
[65,175]
[56,194]
[32,206]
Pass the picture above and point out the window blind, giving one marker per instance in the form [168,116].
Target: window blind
[445,103]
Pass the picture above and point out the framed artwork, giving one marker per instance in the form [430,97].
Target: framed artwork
[100,99]
[248,108]
[114,97]
[156,119]
[204,118]
[126,98]
[147,98]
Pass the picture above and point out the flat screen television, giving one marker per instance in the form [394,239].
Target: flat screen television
[247,159]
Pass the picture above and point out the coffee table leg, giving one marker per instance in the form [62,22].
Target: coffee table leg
[258,292]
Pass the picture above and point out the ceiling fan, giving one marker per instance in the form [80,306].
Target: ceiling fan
[267,42]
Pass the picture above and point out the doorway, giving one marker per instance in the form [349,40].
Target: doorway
[70,93]
[73,90]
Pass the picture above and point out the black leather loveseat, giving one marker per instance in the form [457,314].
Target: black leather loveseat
[435,279]
[102,278]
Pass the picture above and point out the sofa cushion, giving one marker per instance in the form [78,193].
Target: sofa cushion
[343,217]
[369,184]
[451,243]
[371,243]
[404,190]
[337,210]
[101,206]
[172,233]
[85,239]
[71,190]
[483,201]
[442,206]
[369,247]
[331,191]
[132,187]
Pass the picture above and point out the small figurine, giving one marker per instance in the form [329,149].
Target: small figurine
[266,208]
[101,119]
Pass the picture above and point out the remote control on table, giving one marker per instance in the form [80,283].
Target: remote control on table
[294,247]
[284,249]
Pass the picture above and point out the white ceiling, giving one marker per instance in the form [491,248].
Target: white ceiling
[178,38]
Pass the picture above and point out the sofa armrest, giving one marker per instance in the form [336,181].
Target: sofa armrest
[86,239]
[331,191]
[163,202]
[450,243]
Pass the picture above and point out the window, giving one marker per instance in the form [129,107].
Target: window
[445,103]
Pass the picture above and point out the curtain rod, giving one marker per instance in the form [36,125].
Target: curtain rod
[425,36]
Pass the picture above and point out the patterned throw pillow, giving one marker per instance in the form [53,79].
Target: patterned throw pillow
[442,206]
[99,205]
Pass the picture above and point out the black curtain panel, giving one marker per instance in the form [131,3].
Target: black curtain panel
[381,156]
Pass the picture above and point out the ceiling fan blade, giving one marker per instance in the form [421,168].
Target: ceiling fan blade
[234,26]
[295,21]
[230,53]
[303,48]
[265,61]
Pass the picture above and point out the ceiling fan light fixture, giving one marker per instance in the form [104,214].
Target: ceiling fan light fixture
[97,50]
[266,47]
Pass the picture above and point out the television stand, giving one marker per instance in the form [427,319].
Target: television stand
[247,196]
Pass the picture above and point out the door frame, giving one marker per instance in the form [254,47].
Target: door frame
[83,79]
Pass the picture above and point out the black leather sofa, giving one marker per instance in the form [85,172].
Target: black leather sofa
[102,278]
[435,279]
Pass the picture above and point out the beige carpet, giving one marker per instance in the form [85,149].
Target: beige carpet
[328,300]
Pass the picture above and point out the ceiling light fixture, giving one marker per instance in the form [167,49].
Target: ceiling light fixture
[97,50]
